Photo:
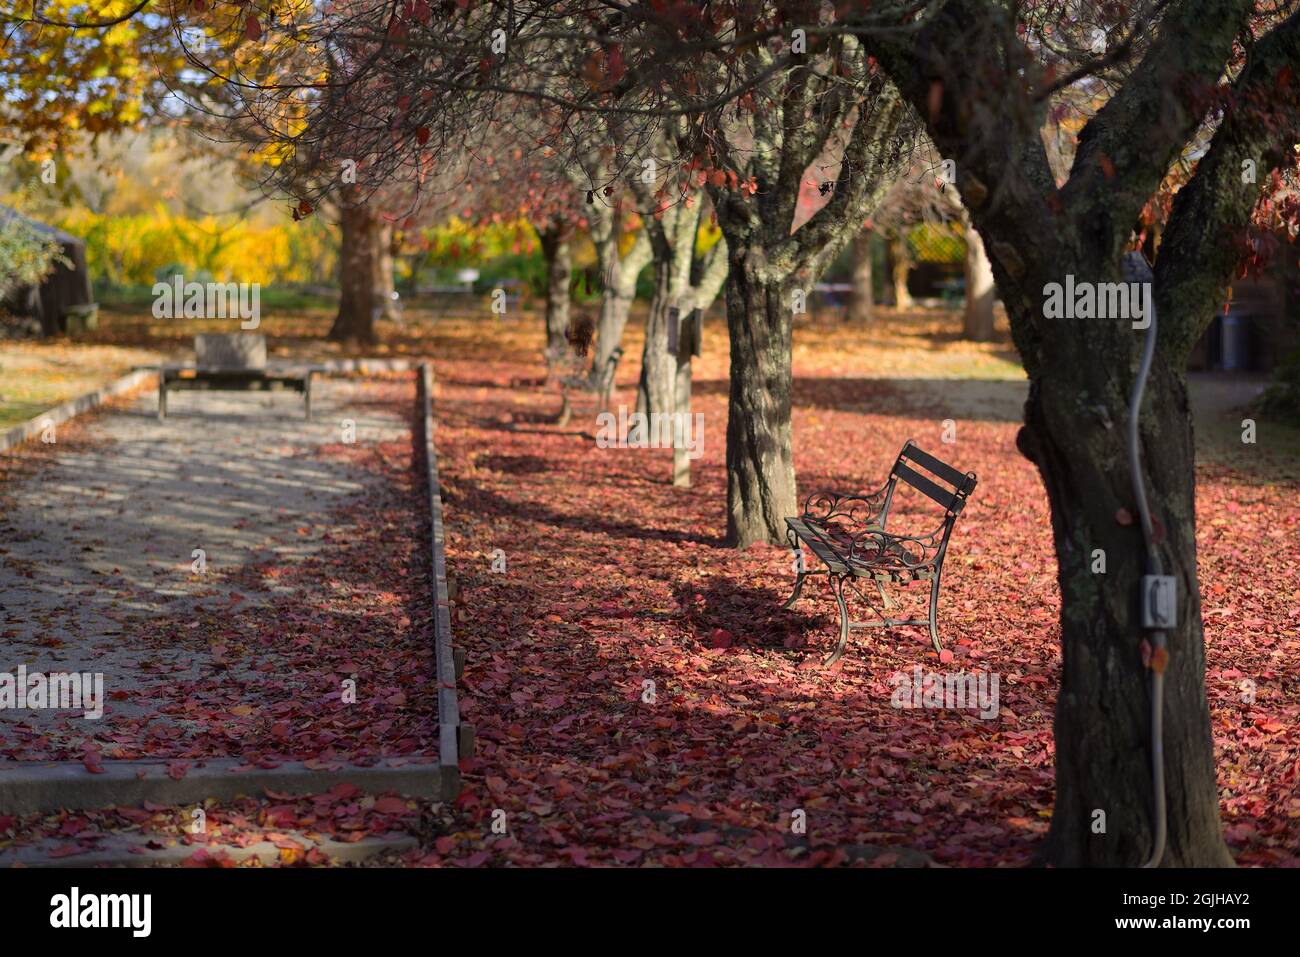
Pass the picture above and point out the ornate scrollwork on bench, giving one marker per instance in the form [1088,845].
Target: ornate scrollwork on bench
[883,551]
[853,509]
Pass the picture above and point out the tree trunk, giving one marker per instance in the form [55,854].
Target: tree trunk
[861,299]
[619,278]
[1103,711]
[760,466]
[383,262]
[559,274]
[355,321]
[682,407]
[614,310]
[654,392]
[674,256]
[900,264]
[977,320]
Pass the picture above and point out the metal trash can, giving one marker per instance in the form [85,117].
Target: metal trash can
[1234,342]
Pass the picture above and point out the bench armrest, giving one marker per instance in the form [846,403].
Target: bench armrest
[879,548]
[856,508]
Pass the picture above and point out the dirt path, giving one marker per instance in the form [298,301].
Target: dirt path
[99,571]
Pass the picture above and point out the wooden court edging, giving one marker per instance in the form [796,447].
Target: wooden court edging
[32,787]
[455,741]
[38,787]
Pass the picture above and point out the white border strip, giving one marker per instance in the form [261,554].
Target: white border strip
[73,407]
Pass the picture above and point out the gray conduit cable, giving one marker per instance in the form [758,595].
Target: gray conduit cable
[1153,566]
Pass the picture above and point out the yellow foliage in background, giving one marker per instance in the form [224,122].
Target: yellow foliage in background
[130,250]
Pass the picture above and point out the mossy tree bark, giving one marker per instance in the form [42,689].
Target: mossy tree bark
[619,272]
[683,283]
[1081,371]
[770,259]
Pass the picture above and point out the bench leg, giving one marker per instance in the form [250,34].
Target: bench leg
[800,574]
[934,613]
[837,586]
[798,587]
[162,398]
[306,396]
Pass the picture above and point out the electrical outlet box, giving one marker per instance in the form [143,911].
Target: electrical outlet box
[1159,602]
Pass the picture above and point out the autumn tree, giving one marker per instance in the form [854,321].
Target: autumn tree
[611,218]
[832,103]
[67,72]
[1210,78]
[1217,70]
[683,281]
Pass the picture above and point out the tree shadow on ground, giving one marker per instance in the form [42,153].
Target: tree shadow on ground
[470,496]
[989,400]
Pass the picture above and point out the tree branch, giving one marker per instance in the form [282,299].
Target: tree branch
[1127,148]
[1210,215]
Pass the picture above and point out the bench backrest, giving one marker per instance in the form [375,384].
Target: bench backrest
[234,350]
[945,485]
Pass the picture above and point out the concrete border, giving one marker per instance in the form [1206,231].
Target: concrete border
[73,407]
[130,850]
[453,742]
[30,787]
[367,366]
[34,787]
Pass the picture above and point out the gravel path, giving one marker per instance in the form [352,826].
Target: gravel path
[101,543]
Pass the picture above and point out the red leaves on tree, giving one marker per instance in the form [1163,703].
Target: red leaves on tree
[615,68]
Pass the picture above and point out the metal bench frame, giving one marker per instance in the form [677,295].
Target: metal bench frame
[601,385]
[232,373]
[847,532]
[189,378]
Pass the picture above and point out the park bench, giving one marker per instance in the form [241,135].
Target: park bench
[846,531]
[596,383]
[231,362]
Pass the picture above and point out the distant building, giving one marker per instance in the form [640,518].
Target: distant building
[64,288]
[1253,334]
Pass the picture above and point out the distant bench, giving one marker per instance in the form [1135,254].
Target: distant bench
[234,362]
[599,385]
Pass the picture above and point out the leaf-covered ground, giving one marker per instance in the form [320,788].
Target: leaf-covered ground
[614,579]
[637,694]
